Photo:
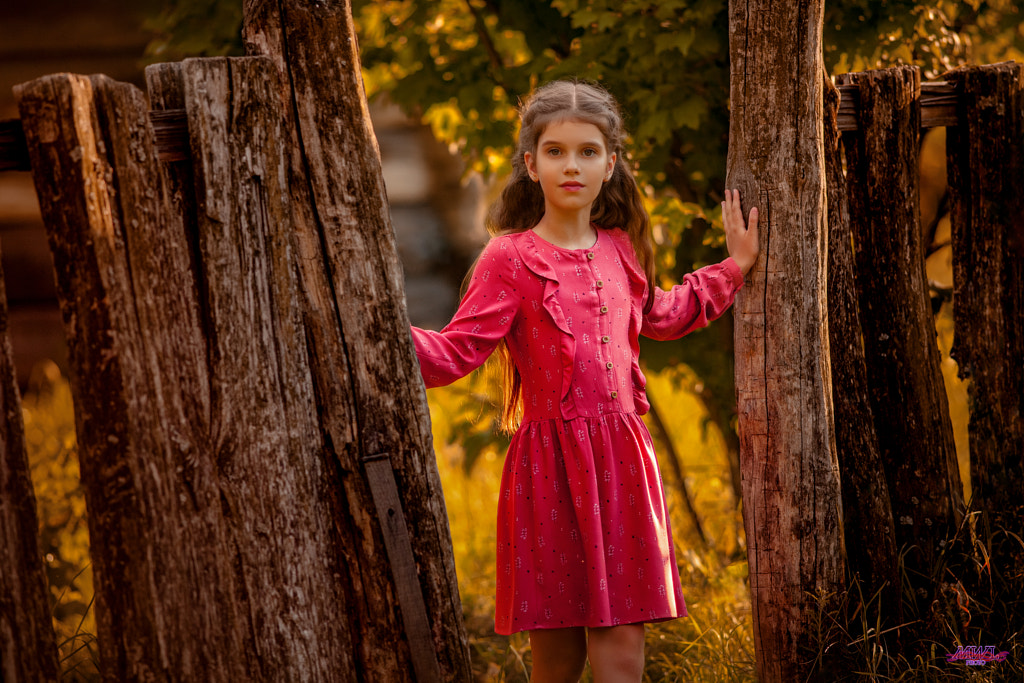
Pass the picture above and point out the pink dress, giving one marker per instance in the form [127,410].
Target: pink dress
[583,528]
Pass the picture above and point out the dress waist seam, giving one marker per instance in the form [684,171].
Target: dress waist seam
[527,421]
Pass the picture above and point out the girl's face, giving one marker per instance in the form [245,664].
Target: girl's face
[571,163]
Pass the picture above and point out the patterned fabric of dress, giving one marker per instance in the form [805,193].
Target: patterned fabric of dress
[583,529]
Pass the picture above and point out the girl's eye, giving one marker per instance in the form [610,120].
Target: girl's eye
[589,152]
[553,151]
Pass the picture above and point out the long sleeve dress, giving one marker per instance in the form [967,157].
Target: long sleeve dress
[583,527]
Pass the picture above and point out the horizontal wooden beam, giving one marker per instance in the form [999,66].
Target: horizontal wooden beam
[938,108]
[170,127]
[938,105]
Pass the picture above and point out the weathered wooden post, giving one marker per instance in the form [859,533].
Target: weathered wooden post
[263,500]
[791,493]
[172,478]
[369,393]
[986,185]
[28,653]
[869,532]
[908,395]
[986,197]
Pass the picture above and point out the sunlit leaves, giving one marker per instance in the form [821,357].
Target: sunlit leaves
[452,62]
[937,36]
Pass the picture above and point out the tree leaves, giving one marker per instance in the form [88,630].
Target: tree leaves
[465,64]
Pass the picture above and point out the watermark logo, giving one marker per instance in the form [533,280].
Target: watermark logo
[976,655]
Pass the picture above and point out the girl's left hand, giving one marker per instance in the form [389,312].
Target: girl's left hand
[740,238]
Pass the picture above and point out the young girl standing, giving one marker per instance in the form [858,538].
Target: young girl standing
[565,288]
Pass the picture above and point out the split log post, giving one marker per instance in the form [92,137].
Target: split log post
[791,492]
[277,484]
[207,563]
[196,408]
[369,392]
[986,197]
[869,532]
[78,130]
[909,402]
[28,653]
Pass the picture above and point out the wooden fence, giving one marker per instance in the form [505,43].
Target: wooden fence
[253,433]
[892,415]
[254,443]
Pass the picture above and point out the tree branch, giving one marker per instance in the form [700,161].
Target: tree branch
[677,467]
[497,64]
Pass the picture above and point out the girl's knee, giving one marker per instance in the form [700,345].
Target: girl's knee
[559,655]
[617,653]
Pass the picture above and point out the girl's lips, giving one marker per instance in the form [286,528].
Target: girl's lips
[571,186]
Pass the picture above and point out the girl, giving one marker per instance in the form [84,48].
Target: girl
[565,288]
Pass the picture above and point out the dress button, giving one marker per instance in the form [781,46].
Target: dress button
[599,284]
[604,309]
[605,339]
[615,394]
[609,365]
[590,255]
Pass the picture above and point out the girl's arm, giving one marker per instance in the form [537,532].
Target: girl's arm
[706,294]
[485,316]
[702,296]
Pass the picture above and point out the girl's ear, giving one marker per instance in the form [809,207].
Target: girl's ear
[530,170]
[611,167]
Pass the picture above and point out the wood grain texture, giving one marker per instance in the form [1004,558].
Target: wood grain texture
[986,200]
[264,434]
[28,653]
[210,510]
[369,393]
[901,350]
[868,527]
[986,184]
[137,392]
[791,490]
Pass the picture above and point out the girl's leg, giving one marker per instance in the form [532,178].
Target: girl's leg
[617,653]
[558,655]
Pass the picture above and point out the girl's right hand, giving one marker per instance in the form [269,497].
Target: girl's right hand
[740,237]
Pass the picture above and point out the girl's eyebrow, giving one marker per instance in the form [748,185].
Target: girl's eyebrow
[586,143]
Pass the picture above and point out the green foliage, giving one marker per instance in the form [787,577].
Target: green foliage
[937,36]
[63,534]
[465,72]
[666,61]
[195,28]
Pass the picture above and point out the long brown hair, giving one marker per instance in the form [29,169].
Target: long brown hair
[521,203]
